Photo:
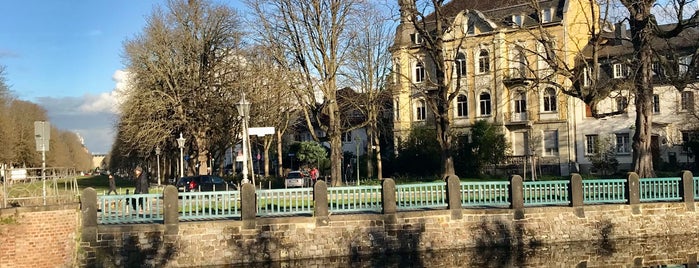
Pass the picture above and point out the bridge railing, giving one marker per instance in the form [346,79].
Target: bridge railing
[320,201]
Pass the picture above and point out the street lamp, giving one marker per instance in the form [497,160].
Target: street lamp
[244,111]
[157,156]
[180,143]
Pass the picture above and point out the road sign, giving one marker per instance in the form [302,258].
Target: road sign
[261,131]
[42,135]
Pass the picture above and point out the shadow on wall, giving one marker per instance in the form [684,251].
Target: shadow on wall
[261,248]
[394,245]
[153,253]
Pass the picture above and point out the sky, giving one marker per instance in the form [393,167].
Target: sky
[66,56]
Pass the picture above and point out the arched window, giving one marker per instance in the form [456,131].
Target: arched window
[460,63]
[549,100]
[483,61]
[419,74]
[519,64]
[420,110]
[485,104]
[461,106]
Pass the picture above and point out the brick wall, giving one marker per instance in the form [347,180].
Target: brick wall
[39,236]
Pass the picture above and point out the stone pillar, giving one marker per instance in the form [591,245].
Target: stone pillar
[517,196]
[320,203]
[687,189]
[88,209]
[454,196]
[575,191]
[248,205]
[171,215]
[388,196]
[633,192]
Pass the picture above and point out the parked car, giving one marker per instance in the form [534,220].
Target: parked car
[203,183]
[296,179]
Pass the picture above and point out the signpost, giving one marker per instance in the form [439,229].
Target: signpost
[42,135]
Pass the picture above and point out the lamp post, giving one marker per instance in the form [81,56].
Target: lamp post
[357,142]
[157,156]
[180,143]
[243,107]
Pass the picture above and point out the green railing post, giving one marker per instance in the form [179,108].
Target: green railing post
[171,214]
[517,196]
[88,210]
[320,203]
[248,206]
[633,191]
[454,196]
[687,189]
[388,196]
[575,191]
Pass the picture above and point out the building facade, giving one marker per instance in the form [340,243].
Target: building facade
[496,52]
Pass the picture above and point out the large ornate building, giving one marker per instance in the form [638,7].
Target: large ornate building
[501,52]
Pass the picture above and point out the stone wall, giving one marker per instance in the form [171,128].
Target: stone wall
[356,236]
[39,236]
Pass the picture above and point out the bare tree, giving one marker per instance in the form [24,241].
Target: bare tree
[315,39]
[184,67]
[367,68]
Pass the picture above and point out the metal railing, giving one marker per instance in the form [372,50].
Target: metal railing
[135,208]
[209,205]
[285,202]
[660,189]
[544,193]
[354,199]
[421,196]
[604,191]
[475,194]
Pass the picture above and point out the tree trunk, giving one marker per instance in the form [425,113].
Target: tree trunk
[641,34]
[202,153]
[280,161]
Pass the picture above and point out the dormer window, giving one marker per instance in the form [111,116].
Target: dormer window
[416,38]
[546,15]
[619,70]
[470,27]
[518,19]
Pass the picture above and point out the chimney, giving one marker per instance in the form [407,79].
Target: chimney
[620,31]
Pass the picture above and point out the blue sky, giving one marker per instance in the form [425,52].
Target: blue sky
[66,56]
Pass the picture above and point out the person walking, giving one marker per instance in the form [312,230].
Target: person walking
[314,175]
[141,187]
[112,184]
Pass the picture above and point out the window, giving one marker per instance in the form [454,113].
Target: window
[519,64]
[471,28]
[687,101]
[420,111]
[686,137]
[347,137]
[591,144]
[587,77]
[546,15]
[518,19]
[419,73]
[550,142]
[619,71]
[520,102]
[483,61]
[396,109]
[621,104]
[460,64]
[622,143]
[461,106]
[396,72]
[416,38]
[657,69]
[683,64]
[656,104]
[485,104]
[549,100]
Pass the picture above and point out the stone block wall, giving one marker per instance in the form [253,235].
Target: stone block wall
[39,236]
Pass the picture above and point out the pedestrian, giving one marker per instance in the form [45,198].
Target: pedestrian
[141,186]
[112,184]
[314,174]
